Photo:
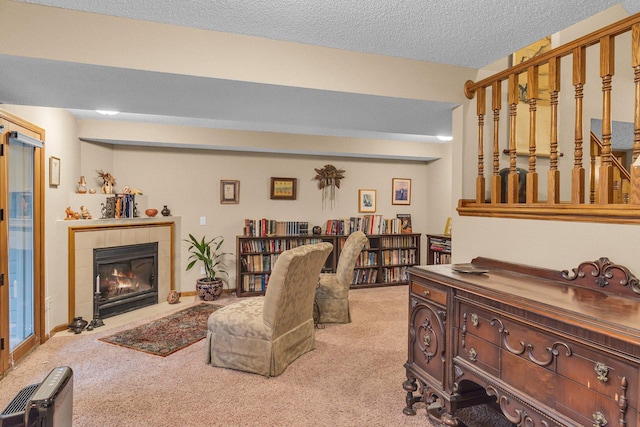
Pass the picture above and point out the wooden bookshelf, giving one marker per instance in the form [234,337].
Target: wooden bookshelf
[384,263]
[438,249]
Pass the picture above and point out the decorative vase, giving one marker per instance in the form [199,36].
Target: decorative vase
[151,212]
[82,185]
[209,290]
[173,297]
[165,211]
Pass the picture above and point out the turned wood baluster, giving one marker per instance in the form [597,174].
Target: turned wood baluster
[481,110]
[553,176]
[579,80]
[604,192]
[512,180]
[635,63]
[496,105]
[532,95]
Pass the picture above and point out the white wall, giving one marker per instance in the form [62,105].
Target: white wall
[188,181]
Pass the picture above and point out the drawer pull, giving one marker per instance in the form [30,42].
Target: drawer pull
[426,293]
[602,371]
[427,340]
[599,420]
[474,320]
[473,354]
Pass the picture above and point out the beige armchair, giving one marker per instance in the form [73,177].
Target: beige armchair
[332,294]
[265,334]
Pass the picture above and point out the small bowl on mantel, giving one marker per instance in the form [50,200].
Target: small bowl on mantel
[151,212]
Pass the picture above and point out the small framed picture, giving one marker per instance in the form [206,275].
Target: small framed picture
[366,200]
[54,171]
[400,191]
[283,188]
[229,192]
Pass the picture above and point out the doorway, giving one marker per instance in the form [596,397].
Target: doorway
[21,239]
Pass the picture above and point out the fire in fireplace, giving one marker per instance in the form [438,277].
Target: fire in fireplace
[126,277]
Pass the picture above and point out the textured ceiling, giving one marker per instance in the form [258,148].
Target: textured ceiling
[456,32]
[469,33]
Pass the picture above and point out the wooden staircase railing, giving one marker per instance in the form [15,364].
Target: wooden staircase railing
[604,201]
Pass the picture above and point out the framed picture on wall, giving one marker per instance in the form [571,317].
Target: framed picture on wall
[400,191]
[54,171]
[229,192]
[283,188]
[366,200]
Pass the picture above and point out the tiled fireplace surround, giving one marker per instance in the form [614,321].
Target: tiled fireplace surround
[82,241]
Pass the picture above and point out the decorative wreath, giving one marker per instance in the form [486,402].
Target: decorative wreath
[328,180]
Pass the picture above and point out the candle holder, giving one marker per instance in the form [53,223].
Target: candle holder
[97,321]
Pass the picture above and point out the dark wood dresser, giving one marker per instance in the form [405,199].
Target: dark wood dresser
[550,348]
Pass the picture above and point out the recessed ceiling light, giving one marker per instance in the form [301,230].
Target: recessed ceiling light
[445,138]
[108,112]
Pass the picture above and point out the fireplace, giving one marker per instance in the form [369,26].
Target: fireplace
[126,276]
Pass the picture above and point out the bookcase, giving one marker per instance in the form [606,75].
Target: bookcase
[384,263]
[438,249]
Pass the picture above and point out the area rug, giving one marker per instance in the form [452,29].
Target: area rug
[169,334]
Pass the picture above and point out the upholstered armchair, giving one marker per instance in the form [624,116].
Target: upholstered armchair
[265,334]
[332,294]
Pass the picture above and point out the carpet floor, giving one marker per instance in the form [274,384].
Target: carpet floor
[353,378]
[169,334]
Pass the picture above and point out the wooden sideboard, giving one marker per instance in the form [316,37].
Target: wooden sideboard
[549,348]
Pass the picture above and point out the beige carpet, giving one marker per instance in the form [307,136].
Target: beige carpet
[353,378]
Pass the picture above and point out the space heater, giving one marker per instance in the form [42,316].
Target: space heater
[47,404]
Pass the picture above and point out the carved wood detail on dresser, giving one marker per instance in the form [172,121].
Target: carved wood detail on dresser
[549,348]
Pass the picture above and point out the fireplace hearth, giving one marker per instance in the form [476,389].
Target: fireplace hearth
[126,277]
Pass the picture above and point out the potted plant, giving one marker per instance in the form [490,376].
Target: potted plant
[208,252]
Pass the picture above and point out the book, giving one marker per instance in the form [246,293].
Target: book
[405,223]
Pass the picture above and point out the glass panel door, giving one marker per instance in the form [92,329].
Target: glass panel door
[21,243]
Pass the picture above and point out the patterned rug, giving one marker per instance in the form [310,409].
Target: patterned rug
[169,334]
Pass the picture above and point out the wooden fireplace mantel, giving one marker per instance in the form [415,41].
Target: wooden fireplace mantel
[551,348]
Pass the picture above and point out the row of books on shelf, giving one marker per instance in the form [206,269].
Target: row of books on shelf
[120,206]
[441,258]
[367,259]
[255,282]
[439,244]
[399,256]
[365,276]
[267,227]
[369,224]
[395,274]
[275,245]
[259,263]
[399,241]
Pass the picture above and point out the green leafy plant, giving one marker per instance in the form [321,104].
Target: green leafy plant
[207,252]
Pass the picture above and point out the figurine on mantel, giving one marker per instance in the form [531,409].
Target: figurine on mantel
[108,182]
[71,214]
[84,212]
[128,190]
